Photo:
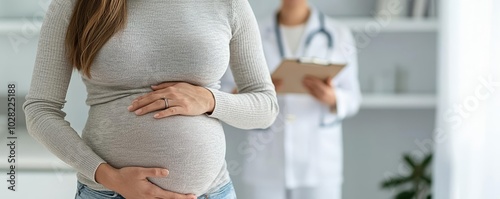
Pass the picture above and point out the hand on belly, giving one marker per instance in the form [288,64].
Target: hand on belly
[174,98]
[131,182]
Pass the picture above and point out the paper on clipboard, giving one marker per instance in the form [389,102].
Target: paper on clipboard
[291,72]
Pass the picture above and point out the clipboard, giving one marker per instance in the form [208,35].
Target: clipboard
[292,71]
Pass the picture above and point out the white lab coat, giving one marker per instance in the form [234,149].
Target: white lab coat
[303,148]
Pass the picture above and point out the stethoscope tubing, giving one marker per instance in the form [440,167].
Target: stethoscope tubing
[310,37]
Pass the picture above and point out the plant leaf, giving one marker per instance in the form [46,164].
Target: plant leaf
[427,179]
[395,181]
[406,195]
[410,161]
[426,161]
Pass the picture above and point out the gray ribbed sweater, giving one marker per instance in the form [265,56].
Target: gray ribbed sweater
[176,40]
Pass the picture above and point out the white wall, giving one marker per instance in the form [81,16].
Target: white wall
[467,158]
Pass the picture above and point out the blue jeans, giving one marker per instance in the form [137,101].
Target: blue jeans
[84,192]
[225,192]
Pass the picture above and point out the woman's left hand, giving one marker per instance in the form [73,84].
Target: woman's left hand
[182,99]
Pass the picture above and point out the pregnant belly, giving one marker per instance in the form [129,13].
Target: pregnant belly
[192,148]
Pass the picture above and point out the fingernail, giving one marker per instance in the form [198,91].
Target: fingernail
[153,85]
[129,107]
[135,100]
[138,111]
[156,115]
[164,172]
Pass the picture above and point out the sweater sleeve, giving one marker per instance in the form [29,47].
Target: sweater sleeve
[255,105]
[46,97]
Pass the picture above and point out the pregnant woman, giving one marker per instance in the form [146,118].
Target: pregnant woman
[152,70]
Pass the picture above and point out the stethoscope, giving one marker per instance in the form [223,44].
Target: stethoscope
[310,37]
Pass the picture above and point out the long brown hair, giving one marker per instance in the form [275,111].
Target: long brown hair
[93,23]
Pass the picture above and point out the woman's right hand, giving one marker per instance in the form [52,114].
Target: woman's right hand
[132,182]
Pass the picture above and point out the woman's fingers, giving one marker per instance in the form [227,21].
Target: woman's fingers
[155,99]
[191,196]
[182,98]
[157,92]
[132,182]
[157,105]
[157,192]
[152,172]
[148,104]
[175,110]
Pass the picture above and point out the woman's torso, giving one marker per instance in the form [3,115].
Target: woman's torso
[163,41]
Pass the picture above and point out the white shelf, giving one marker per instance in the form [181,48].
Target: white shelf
[398,101]
[395,25]
[356,24]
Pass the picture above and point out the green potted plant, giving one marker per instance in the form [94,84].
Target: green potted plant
[419,180]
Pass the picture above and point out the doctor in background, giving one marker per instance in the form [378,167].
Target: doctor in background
[300,155]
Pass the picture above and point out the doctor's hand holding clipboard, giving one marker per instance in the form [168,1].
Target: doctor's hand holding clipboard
[307,75]
[300,155]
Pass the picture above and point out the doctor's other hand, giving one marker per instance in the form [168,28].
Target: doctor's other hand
[182,99]
[322,90]
[132,182]
[278,84]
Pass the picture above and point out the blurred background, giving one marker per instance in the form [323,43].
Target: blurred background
[418,70]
